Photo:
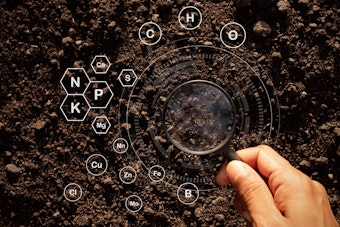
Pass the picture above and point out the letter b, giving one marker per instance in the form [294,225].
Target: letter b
[188,193]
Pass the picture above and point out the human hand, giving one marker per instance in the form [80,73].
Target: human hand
[277,194]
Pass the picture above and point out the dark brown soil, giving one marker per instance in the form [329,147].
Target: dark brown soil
[296,42]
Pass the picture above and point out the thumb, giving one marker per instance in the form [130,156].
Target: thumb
[255,195]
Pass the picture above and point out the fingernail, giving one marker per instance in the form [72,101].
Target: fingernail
[237,169]
[246,215]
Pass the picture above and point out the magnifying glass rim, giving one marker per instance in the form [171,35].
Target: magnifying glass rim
[223,143]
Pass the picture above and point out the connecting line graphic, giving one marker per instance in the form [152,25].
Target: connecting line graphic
[189,104]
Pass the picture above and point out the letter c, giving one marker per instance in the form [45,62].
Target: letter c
[150,33]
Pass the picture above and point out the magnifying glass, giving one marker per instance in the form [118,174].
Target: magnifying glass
[199,118]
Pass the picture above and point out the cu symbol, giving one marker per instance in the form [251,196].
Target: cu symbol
[96,165]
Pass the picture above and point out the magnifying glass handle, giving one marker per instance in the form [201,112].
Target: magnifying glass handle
[230,156]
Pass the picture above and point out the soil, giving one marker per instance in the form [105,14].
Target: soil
[296,42]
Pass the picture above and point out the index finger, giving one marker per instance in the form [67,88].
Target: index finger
[261,158]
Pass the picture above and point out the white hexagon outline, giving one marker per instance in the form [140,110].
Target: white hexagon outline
[107,129]
[100,56]
[87,112]
[107,104]
[68,69]
[127,70]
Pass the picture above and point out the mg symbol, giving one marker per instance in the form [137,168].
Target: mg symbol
[101,125]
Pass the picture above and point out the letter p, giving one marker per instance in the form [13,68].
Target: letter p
[98,93]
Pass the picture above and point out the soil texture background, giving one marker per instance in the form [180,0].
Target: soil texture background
[296,41]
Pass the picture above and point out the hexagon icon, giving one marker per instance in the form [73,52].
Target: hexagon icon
[75,81]
[100,64]
[75,108]
[98,94]
[127,77]
[101,125]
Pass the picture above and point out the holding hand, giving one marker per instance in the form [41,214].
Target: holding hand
[271,192]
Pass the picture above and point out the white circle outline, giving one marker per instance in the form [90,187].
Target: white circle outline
[156,166]
[190,7]
[96,174]
[73,200]
[233,23]
[135,196]
[140,35]
[133,170]
[197,190]
[274,123]
[125,141]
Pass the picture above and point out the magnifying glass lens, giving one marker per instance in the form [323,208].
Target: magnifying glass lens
[199,117]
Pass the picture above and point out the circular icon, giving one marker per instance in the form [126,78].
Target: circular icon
[150,33]
[133,203]
[190,18]
[156,173]
[128,175]
[233,35]
[73,192]
[202,110]
[120,145]
[160,109]
[96,165]
[187,193]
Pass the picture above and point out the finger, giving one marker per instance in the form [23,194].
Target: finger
[264,159]
[222,177]
[278,171]
[254,192]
